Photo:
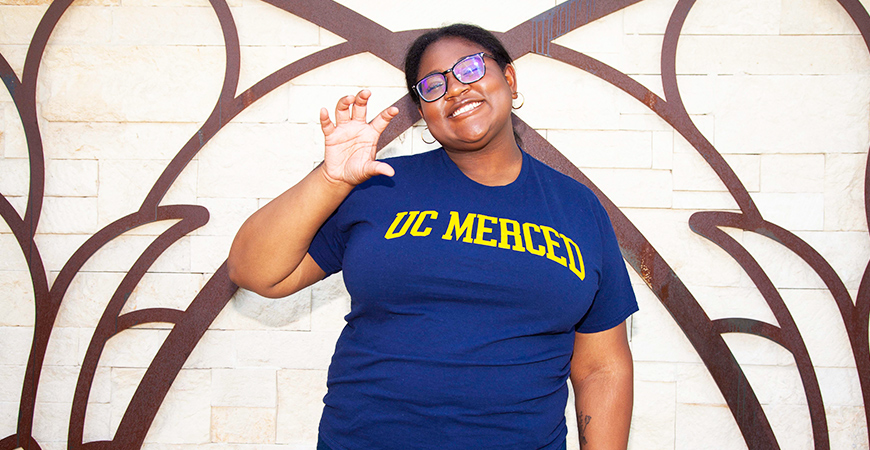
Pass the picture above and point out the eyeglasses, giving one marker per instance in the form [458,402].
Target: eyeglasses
[467,70]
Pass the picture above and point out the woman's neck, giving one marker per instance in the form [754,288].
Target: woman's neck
[491,166]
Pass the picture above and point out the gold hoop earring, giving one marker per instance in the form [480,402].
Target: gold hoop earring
[423,136]
[522,99]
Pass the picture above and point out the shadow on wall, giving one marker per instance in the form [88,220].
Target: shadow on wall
[281,312]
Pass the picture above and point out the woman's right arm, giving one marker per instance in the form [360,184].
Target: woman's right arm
[269,254]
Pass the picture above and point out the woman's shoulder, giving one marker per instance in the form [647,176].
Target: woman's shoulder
[415,160]
[409,169]
[571,194]
[558,181]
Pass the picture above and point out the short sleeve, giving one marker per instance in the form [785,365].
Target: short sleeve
[331,240]
[615,299]
[327,247]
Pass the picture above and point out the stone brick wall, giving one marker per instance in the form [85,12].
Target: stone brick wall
[779,88]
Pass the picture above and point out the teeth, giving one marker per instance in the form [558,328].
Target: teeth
[465,108]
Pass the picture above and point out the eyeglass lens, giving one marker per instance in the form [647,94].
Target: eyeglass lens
[467,71]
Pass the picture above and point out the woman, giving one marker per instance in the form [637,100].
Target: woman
[480,279]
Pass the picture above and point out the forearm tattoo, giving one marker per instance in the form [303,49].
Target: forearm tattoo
[582,423]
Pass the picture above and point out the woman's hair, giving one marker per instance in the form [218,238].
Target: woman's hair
[471,33]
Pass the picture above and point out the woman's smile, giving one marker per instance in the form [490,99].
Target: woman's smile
[466,108]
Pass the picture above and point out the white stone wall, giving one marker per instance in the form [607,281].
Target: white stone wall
[779,87]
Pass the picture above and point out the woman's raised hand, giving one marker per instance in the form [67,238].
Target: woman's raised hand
[351,142]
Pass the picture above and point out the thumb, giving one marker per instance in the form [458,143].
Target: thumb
[374,168]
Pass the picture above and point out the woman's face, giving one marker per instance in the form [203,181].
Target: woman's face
[468,116]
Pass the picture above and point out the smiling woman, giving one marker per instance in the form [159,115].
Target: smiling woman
[450,345]
[437,48]
[136,136]
[472,120]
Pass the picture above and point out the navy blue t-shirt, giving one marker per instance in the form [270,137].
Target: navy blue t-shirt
[464,303]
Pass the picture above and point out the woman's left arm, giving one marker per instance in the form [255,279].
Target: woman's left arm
[602,377]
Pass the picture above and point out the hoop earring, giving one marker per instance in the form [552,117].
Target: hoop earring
[522,99]
[423,136]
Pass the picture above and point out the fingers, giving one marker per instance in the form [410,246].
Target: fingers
[342,109]
[326,124]
[383,119]
[359,105]
[353,108]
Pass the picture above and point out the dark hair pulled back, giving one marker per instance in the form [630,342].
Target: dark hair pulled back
[471,33]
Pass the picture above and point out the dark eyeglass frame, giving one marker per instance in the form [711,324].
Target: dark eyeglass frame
[419,86]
